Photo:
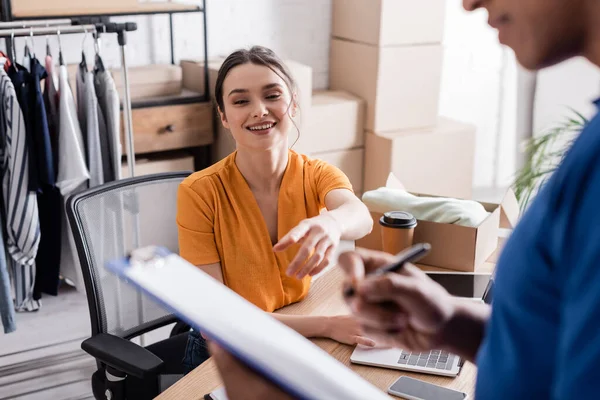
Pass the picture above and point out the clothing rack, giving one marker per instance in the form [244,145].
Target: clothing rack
[9,30]
[42,28]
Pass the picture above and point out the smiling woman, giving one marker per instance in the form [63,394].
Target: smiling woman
[256,78]
[255,220]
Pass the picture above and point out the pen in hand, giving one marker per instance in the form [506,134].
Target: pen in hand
[409,255]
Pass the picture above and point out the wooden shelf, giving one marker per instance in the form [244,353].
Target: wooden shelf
[186,96]
[24,12]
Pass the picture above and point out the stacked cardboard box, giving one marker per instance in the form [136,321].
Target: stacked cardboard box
[389,53]
[145,81]
[334,133]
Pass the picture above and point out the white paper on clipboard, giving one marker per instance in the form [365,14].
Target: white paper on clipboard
[253,336]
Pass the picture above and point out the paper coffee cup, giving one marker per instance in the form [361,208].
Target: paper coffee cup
[397,231]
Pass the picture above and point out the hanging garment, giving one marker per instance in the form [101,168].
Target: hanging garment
[5,61]
[108,98]
[21,80]
[51,102]
[19,202]
[87,112]
[72,172]
[39,126]
[7,308]
[49,198]
[80,104]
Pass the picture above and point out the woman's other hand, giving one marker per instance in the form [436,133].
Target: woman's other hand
[346,329]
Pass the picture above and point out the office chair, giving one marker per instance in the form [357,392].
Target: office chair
[107,223]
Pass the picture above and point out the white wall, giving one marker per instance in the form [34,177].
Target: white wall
[572,84]
[479,86]
[295,29]
[479,83]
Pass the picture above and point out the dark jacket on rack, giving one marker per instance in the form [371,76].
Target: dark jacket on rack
[49,200]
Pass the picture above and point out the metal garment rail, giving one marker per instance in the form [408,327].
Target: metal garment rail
[105,28]
[29,24]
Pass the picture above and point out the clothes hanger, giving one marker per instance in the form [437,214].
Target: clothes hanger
[60,56]
[48,52]
[99,65]
[83,63]
[26,61]
[32,43]
[13,55]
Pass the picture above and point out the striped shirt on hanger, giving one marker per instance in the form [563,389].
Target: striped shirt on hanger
[19,203]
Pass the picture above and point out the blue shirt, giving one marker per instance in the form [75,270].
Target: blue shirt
[543,337]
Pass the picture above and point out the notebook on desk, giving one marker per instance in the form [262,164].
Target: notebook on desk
[267,346]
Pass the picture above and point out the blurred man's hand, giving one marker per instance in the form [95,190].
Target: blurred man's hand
[240,382]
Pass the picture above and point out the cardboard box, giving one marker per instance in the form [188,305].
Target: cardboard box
[155,165]
[145,81]
[149,80]
[437,161]
[335,122]
[457,247]
[351,163]
[193,74]
[401,84]
[389,22]
[193,78]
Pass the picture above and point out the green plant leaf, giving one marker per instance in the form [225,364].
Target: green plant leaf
[543,156]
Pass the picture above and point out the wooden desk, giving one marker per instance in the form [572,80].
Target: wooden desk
[324,298]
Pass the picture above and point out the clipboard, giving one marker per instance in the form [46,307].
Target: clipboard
[253,336]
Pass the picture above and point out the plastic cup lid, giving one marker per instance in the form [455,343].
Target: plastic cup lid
[398,219]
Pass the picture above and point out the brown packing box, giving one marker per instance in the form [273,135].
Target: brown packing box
[335,122]
[400,84]
[389,22]
[193,78]
[150,80]
[438,160]
[144,81]
[457,247]
[193,74]
[350,161]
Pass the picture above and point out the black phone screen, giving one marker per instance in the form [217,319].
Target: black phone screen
[462,284]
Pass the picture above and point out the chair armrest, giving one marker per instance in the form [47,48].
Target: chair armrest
[122,355]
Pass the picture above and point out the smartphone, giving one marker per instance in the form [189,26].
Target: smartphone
[414,389]
[462,284]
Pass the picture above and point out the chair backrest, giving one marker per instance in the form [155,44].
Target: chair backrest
[108,222]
